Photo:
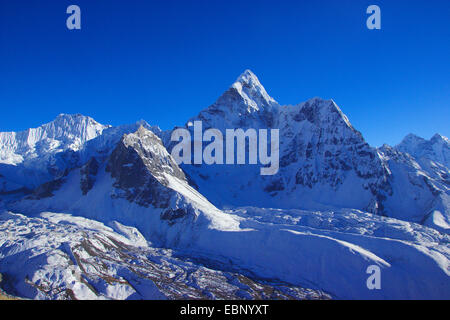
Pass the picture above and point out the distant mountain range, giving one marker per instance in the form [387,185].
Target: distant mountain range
[336,205]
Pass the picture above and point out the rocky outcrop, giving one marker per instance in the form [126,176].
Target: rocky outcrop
[46,190]
[88,173]
[139,165]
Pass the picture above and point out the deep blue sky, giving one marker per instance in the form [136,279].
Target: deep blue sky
[164,61]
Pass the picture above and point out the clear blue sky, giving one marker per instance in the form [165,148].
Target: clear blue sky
[164,61]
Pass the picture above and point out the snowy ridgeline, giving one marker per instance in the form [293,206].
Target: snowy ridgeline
[120,196]
[324,162]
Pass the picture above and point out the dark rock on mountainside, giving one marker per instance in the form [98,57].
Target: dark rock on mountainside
[88,173]
[138,165]
[47,189]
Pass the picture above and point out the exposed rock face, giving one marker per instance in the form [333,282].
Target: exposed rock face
[172,215]
[324,151]
[47,189]
[139,164]
[88,173]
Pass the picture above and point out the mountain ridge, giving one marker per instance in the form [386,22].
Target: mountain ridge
[336,204]
[323,158]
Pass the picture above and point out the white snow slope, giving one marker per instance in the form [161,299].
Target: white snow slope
[59,256]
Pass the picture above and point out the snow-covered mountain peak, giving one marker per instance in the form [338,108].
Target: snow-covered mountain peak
[339,111]
[436,149]
[71,116]
[73,126]
[155,129]
[320,112]
[248,79]
[64,133]
[146,140]
[252,91]
[412,138]
[246,103]
[437,138]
